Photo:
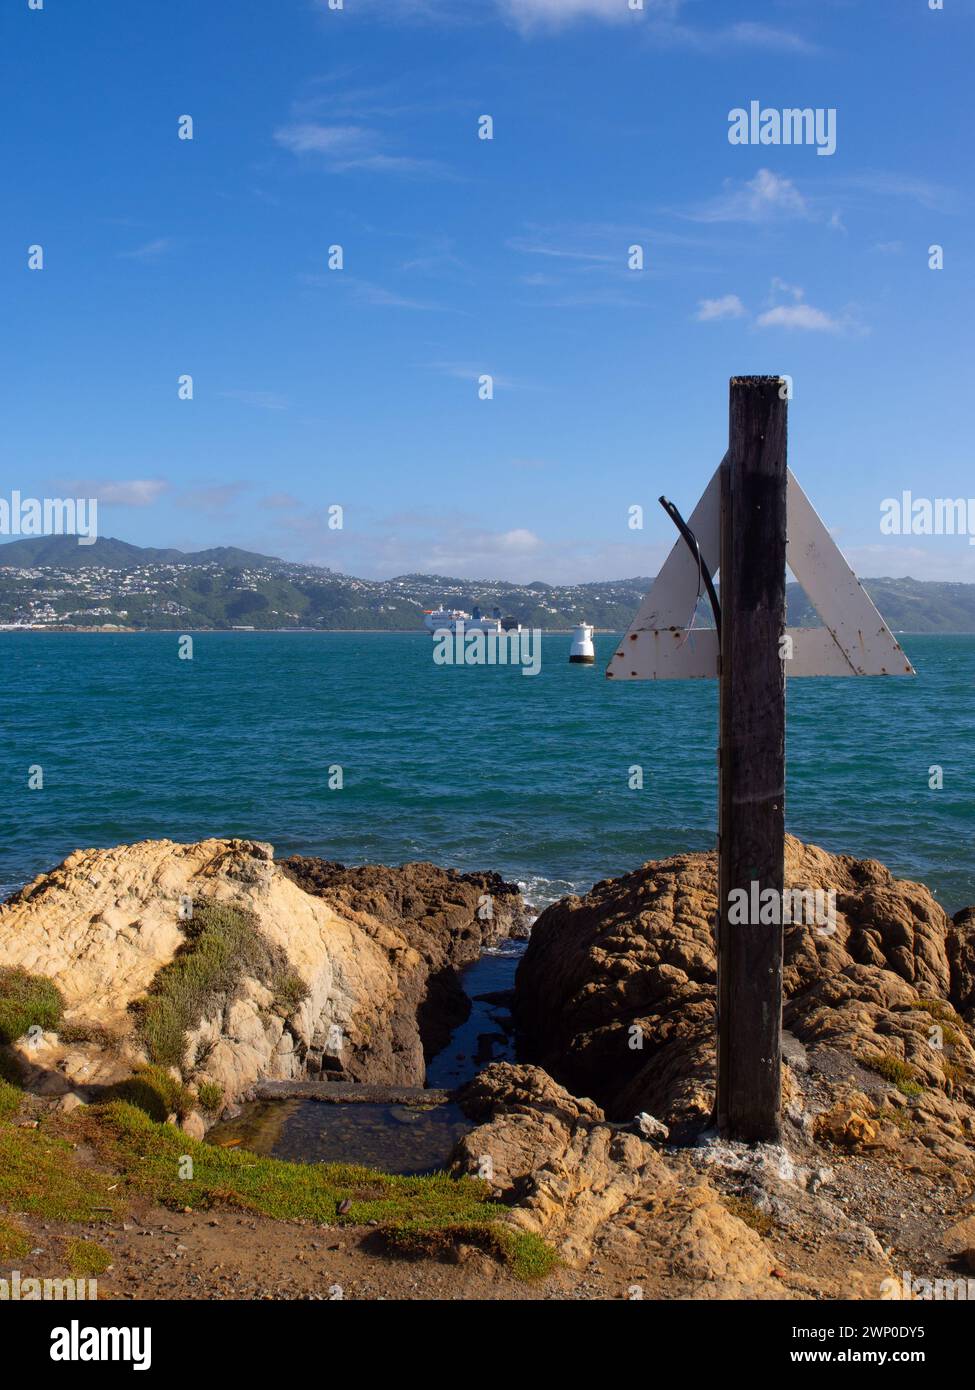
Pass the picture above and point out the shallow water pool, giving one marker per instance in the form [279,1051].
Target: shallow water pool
[408,1139]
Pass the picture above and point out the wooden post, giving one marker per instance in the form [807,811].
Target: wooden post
[751,827]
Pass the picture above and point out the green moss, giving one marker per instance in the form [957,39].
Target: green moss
[750,1214]
[939,1009]
[84,1032]
[10,1098]
[86,1258]
[14,1241]
[153,1090]
[224,944]
[27,1000]
[526,1255]
[901,1119]
[39,1175]
[290,991]
[415,1212]
[953,1073]
[895,1070]
[210,1096]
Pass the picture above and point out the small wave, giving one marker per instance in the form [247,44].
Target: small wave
[540,892]
[506,950]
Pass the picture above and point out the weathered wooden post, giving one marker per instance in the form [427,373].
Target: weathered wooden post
[751,820]
[739,527]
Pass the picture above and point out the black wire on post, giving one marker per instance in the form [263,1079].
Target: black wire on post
[695,549]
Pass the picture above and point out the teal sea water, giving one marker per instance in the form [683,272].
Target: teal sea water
[473,767]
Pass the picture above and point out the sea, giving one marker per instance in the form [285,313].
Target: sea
[358,747]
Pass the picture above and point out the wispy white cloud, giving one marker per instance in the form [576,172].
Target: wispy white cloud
[802,316]
[798,315]
[518,556]
[534,248]
[370,293]
[592,265]
[472,372]
[660,21]
[936,197]
[750,34]
[132,492]
[786,308]
[529,15]
[765,198]
[384,298]
[771,197]
[150,251]
[340,148]
[308,138]
[729,306]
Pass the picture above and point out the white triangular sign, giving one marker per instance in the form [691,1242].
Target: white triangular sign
[854,640]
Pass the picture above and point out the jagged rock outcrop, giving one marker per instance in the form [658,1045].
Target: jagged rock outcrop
[961,962]
[449,918]
[340,976]
[552,1155]
[616,995]
[715,1222]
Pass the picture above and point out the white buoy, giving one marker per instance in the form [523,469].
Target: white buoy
[582,649]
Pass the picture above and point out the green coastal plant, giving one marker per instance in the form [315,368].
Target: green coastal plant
[526,1255]
[939,1009]
[224,944]
[81,1031]
[945,1016]
[210,1096]
[289,991]
[86,1258]
[26,1001]
[139,1158]
[752,1215]
[895,1070]
[412,1213]
[155,1091]
[10,1098]
[40,1174]
[14,1241]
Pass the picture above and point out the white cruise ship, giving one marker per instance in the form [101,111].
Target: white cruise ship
[452,619]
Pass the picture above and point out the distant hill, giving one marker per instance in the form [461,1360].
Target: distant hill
[907,605]
[52,581]
[65,553]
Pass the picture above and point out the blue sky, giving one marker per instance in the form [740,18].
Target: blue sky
[359,127]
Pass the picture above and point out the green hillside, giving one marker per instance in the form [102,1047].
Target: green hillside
[53,582]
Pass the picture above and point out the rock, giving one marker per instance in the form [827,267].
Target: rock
[553,1155]
[377,951]
[615,998]
[961,962]
[713,1245]
[845,1125]
[194,1125]
[960,1237]
[651,1128]
[448,918]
